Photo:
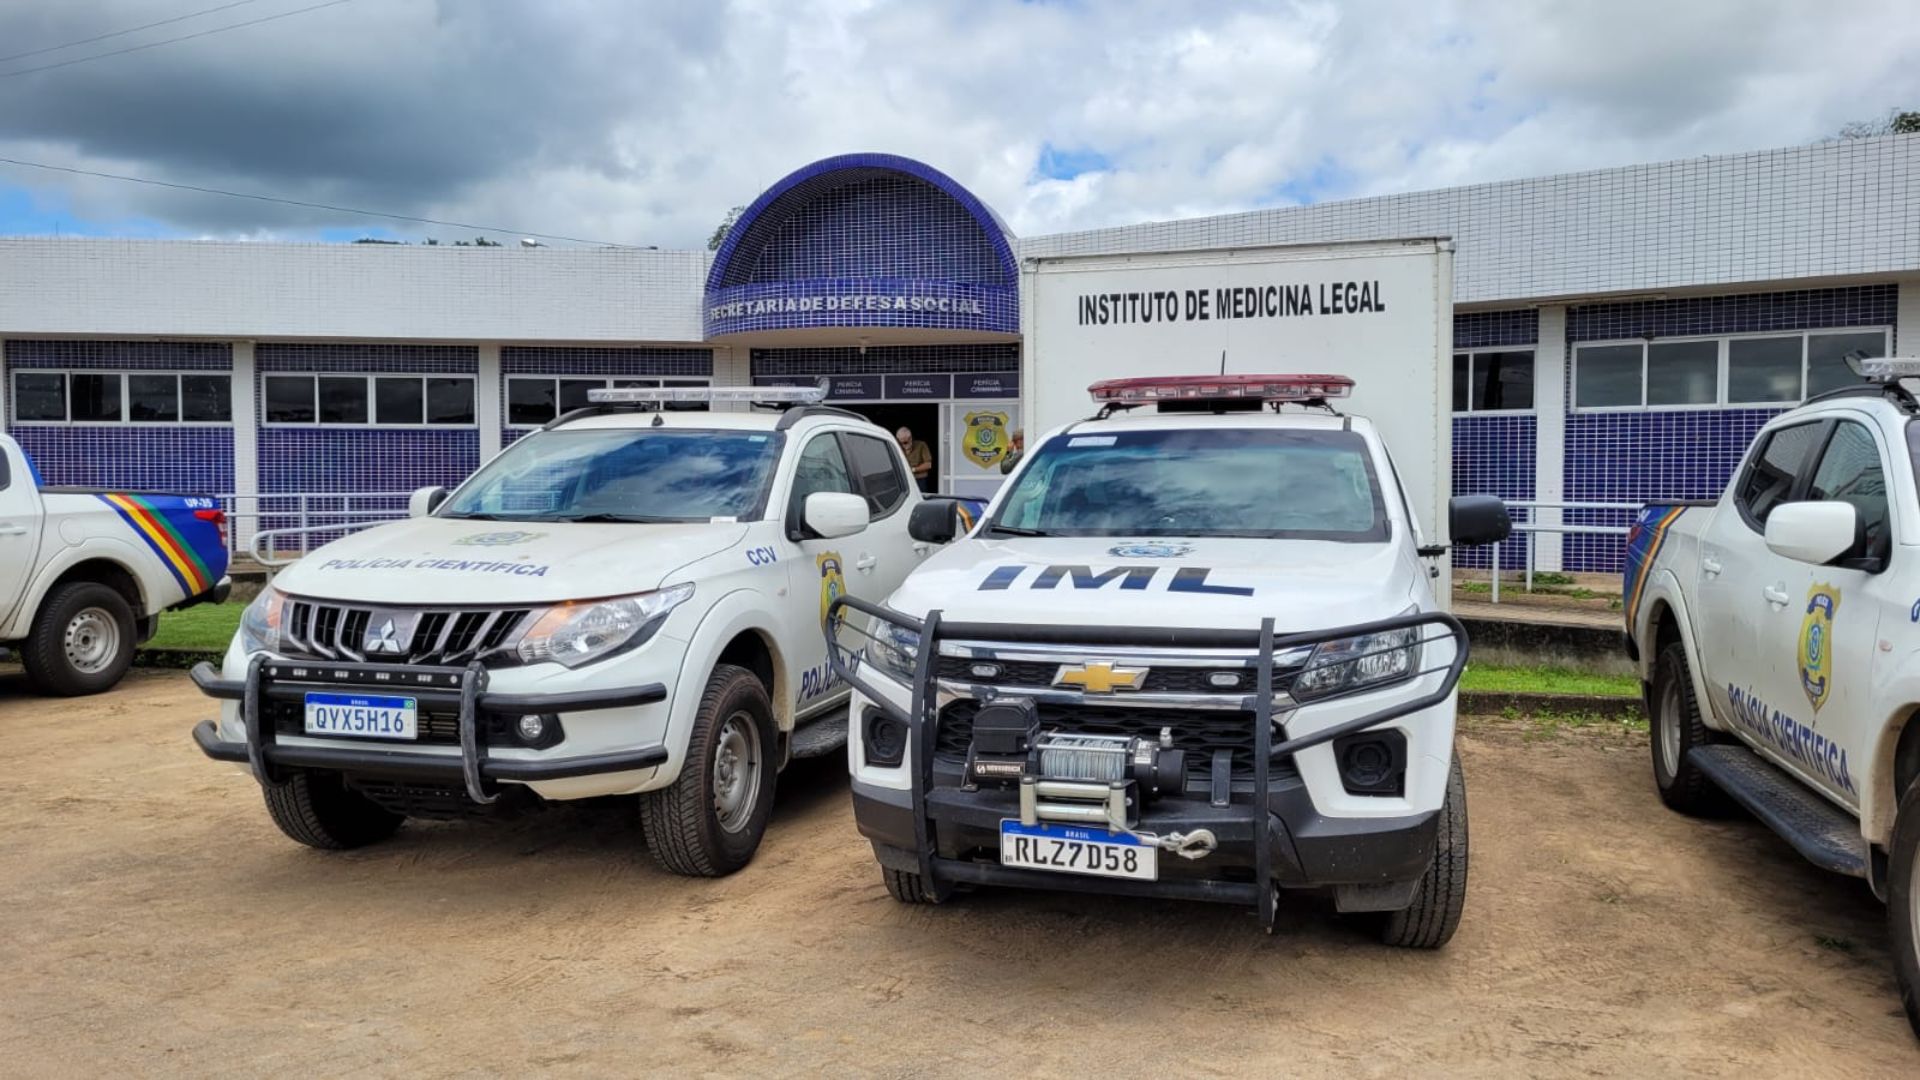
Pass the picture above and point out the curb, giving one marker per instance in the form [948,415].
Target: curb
[1494,701]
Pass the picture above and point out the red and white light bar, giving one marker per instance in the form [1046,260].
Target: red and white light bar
[1221,388]
[791,395]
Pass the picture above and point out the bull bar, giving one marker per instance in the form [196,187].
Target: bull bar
[273,679]
[1253,822]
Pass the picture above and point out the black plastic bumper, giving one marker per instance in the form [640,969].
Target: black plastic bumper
[461,688]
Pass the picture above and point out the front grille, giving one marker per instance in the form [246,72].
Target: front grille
[321,631]
[1199,732]
[1161,679]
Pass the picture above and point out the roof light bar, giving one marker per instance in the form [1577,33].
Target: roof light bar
[1221,388]
[1886,368]
[800,395]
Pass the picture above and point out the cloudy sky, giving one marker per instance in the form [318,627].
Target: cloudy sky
[642,122]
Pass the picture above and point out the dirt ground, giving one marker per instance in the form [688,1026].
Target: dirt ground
[155,923]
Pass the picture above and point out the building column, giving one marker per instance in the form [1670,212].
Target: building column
[6,384]
[246,447]
[1550,430]
[1906,318]
[486,400]
[732,366]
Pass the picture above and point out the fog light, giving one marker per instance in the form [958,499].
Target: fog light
[1372,763]
[985,671]
[885,740]
[1226,680]
[532,727]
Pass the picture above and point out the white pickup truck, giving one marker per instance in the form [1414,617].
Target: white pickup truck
[86,572]
[1190,654]
[628,602]
[1777,632]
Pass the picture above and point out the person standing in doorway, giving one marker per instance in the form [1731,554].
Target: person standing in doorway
[1012,457]
[919,458]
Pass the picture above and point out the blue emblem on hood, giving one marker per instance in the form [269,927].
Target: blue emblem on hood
[1150,551]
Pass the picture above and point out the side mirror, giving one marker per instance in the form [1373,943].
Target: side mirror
[425,501]
[938,521]
[833,514]
[1477,519]
[1814,532]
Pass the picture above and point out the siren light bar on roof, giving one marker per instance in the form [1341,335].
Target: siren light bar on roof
[1886,368]
[1142,391]
[790,395]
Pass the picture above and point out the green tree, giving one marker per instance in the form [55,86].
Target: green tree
[726,225]
[1895,122]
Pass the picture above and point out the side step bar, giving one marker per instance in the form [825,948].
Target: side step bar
[1815,827]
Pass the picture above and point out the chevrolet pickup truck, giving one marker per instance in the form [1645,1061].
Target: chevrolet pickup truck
[1192,652]
[85,573]
[626,603]
[1777,633]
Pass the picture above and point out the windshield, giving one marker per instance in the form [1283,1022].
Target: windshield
[1283,484]
[622,474]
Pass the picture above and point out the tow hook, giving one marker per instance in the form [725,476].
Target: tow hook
[1197,844]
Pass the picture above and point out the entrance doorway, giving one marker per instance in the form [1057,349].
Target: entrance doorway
[922,419]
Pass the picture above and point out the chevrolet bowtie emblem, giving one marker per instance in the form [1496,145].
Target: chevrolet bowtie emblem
[1100,677]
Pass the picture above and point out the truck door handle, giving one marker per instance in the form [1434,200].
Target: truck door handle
[1775,595]
[1709,565]
[8,528]
[866,563]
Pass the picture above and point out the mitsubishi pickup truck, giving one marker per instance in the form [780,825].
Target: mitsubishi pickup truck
[1777,634]
[86,572]
[1190,652]
[627,602]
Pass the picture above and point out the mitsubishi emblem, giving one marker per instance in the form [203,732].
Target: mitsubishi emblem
[383,640]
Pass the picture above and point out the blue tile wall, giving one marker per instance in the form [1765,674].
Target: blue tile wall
[148,457]
[1805,309]
[351,459]
[909,359]
[1496,329]
[865,240]
[190,459]
[1493,454]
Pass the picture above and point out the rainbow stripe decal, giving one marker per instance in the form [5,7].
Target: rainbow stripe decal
[1642,549]
[173,549]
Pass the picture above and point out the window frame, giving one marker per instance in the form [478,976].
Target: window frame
[472,380]
[1852,559]
[901,474]
[1473,363]
[1723,364]
[507,423]
[126,402]
[1823,427]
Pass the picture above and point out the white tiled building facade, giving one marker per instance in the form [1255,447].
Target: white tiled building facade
[1620,333]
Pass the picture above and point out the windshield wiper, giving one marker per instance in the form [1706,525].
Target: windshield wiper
[479,517]
[617,519]
[1015,530]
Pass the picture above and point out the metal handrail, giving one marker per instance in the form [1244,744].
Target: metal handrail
[264,558]
[1533,527]
[312,509]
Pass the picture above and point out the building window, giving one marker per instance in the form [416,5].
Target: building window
[363,400]
[532,399]
[119,397]
[1744,371]
[1493,380]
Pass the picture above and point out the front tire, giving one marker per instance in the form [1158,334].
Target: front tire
[1430,921]
[1903,902]
[907,886]
[319,810]
[1675,729]
[81,641]
[709,821]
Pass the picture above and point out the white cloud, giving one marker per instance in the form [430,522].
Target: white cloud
[643,123]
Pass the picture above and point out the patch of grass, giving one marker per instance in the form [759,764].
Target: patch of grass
[1551,577]
[1834,944]
[209,626]
[1546,680]
[1473,586]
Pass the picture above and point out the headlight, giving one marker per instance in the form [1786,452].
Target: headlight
[1358,662]
[576,634]
[260,623]
[893,649]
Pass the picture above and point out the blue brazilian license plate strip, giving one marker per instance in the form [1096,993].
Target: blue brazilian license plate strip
[1077,849]
[362,716]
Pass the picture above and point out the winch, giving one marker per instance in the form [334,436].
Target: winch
[1071,777]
